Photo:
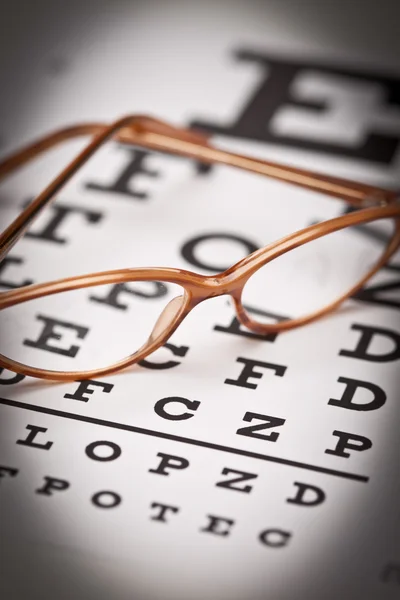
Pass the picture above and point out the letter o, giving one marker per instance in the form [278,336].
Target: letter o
[188,249]
[112,502]
[115,451]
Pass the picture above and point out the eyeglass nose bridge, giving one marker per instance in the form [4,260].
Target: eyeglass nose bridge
[196,292]
[231,284]
[224,284]
[169,319]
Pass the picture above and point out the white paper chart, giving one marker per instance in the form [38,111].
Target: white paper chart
[228,464]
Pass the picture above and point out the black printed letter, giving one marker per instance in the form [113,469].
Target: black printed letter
[169,364]
[49,332]
[164,508]
[122,185]
[349,441]
[84,387]
[249,372]
[9,260]
[16,378]
[169,462]
[214,526]
[188,249]
[159,408]
[106,499]
[243,476]
[7,471]
[28,441]
[346,401]
[61,212]
[367,335]
[318,495]
[156,289]
[275,538]
[115,451]
[269,422]
[51,485]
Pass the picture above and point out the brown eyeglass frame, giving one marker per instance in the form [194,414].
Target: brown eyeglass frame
[372,203]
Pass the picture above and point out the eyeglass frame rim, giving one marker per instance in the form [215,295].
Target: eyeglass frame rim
[197,287]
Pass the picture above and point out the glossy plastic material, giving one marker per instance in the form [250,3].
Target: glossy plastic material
[372,203]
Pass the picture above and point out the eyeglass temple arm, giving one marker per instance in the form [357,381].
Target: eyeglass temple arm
[126,130]
[157,135]
[28,153]
[355,193]
[127,135]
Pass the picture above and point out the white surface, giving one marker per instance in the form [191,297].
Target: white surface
[174,60]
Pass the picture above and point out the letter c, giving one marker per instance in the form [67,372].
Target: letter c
[160,407]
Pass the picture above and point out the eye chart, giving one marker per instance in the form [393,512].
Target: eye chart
[228,464]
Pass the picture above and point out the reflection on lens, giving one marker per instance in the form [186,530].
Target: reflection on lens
[84,329]
[314,275]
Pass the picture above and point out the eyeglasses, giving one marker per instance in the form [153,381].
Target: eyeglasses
[66,324]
